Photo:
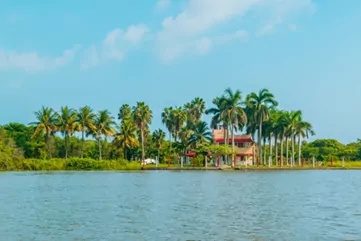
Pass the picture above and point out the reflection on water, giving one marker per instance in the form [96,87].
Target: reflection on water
[302,205]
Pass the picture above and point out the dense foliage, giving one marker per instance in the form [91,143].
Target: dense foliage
[76,138]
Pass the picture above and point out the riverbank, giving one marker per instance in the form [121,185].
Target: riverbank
[78,164]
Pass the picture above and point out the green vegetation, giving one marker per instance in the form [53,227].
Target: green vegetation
[87,140]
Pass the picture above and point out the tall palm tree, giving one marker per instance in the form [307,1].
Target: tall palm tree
[103,123]
[195,110]
[158,138]
[219,117]
[125,112]
[201,135]
[261,104]
[167,120]
[303,130]
[185,135]
[85,123]
[67,123]
[296,116]
[142,116]
[127,136]
[45,125]
[178,117]
[234,112]
[252,125]
[283,124]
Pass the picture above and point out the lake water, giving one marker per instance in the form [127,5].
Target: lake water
[193,205]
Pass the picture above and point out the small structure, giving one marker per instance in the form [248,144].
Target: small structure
[243,144]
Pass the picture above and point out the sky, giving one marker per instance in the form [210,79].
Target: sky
[167,52]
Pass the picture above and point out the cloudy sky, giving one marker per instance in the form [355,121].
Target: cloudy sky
[166,52]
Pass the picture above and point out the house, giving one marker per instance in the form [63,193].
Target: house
[244,146]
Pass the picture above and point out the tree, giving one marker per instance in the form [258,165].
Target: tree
[45,125]
[85,123]
[283,124]
[233,111]
[127,136]
[168,122]
[296,116]
[261,104]
[201,135]
[195,110]
[178,117]
[142,116]
[103,123]
[125,113]
[158,138]
[302,130]
[66,123]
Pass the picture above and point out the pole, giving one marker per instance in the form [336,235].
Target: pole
[343,162]
[182,161]
[157,162]
[205,161]
[168,161]
[313,162]
[269,162]
[281,161]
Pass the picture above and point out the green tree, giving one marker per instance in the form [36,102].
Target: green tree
[296,116]
[103,123]
[167,120]
[194,110]
[302,130]
[85,123]
[142,116]
[125,113]
[66,123]
[261,104]
[178,118]
[201,135]
[127,136]
[158,137]
[45,125]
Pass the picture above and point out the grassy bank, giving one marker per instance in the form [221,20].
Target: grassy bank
[67,165]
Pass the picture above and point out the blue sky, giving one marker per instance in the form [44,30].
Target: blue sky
[166,52]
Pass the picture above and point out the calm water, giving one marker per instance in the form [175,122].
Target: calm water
[300,205]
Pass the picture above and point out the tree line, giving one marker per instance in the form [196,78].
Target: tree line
[85,133]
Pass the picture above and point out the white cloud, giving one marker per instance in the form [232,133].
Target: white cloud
[33,62]
[199,17]
[115,45]
[163,4]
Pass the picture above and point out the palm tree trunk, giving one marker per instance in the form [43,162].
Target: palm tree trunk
[48,144]
[281,160]
[82,144]
[270,145]
[260,142]
[143,153]
[287,150]
[66,146]
[254,150]
[293,148]
[99,147]
[299,150]
[125,153]
[264,153]
[276,149]
[232,130]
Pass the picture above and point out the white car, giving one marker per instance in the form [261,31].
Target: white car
[150,161]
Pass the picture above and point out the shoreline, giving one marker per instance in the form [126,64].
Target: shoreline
[246,168]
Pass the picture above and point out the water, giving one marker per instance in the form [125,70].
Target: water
[299,205]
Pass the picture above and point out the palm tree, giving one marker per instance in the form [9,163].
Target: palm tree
[167,120]
[103,123]
[127,136]
[219,116]
[185,135]
[303,130]
[85,123]
[158,138]
[261,104]
[296,116]
[195,110]
[45,125]
[178,117]
[201,135]
[125,112]
[142,116]
[67,123]
[283,124]
[252,125]
[234,112]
